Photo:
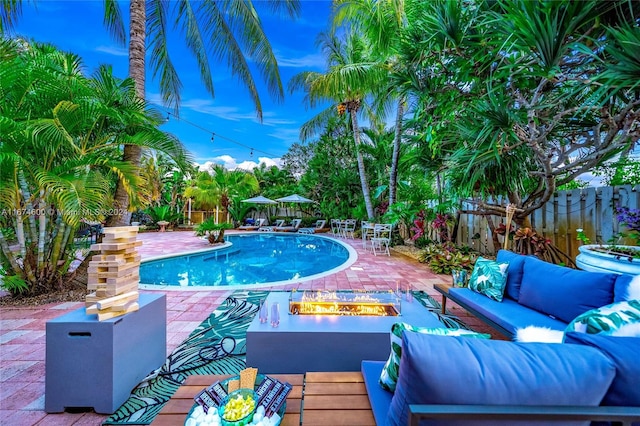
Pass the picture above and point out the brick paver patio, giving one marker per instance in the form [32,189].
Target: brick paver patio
[22,329]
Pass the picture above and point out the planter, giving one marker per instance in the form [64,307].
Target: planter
[595,258]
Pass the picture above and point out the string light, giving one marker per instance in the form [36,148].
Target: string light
[213,134]
[251,153]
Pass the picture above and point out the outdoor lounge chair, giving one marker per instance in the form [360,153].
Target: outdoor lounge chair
[295,225]
[255,226]
[279,223]
[317,228]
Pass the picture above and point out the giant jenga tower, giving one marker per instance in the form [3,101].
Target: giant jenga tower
[114,274]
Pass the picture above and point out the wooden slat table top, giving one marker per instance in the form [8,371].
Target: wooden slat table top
[175,411]
[336,398]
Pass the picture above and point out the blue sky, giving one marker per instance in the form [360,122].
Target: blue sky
[76,26]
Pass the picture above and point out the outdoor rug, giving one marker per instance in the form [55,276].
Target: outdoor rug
[217,346]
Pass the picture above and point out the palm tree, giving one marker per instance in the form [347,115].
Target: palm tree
[350,76]
[59,151]
[381,22]
[221,187]
[219,29]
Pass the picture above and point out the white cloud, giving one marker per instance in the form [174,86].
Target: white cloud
[313,60]
[230,163]
[287,135]
[110,50]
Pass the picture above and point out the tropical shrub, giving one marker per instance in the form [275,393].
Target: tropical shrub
[445,257]
[213,231]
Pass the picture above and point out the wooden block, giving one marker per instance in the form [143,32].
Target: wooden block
[121,299]
[112,272]
[115,246]
[103,316]
[119,239]
[131,277]
[124,306]
[92,309]
[115,257]
[116,229]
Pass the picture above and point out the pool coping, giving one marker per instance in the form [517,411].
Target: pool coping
[353,257]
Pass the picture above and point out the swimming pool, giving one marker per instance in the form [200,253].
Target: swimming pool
[253,259]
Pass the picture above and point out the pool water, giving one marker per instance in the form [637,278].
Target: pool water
[257,258]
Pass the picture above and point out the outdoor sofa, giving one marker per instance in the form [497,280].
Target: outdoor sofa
[447,380]
[541,294]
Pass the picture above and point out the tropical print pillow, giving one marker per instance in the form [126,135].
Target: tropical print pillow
[607,319]
[389,376]
[489,278]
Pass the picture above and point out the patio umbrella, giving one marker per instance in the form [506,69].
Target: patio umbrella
[259,200]
[294,198]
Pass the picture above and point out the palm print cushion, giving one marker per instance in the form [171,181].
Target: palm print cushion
[489,278]
[607,319]
[389,376]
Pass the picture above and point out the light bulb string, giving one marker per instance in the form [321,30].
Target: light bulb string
[218,135]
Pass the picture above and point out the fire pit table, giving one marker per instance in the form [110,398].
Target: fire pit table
[337,340]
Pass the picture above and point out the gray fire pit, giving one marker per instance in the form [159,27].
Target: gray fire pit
[304,343]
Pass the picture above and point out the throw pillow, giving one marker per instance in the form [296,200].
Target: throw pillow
[607,319]
[623,351]
[389,375]
[514,273]
[633,291]
[563,293]
[489,278]
[532,333]
[453,370]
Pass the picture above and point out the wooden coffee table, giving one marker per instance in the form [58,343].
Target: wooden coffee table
[330,398]
[177,408]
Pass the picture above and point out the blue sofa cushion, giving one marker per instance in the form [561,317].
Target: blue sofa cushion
[562,292]
[454,370]
[489,278]
[508,314]
[514,273]
[389,375]
[623,351]
[379,398]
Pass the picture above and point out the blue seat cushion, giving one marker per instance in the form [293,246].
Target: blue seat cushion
[562,292]
[509,314]
[624,352]
[514,273]
[380,399]
[455,370]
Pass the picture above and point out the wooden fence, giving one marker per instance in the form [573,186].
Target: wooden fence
[591,209]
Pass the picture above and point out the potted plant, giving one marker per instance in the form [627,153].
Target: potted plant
[613,257]
[213,231]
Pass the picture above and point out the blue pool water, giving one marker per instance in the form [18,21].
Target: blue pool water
[256,258]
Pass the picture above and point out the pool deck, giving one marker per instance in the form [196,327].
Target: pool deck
[22,328]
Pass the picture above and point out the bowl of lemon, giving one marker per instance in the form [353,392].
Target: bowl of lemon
[238,408]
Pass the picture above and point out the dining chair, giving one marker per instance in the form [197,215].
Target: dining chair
[381,238]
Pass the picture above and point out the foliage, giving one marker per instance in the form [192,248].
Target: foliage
[516,98]
[445,257]
[528,242]
[624,171]
[163,213]
[213,231]
[630,218]
[60,149]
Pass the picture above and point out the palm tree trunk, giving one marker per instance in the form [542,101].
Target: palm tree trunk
[393,174]
[42,228]
[132,153]
[363,176]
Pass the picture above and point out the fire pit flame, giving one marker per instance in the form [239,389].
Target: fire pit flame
[344,303]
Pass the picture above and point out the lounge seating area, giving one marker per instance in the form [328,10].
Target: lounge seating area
[540,294]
